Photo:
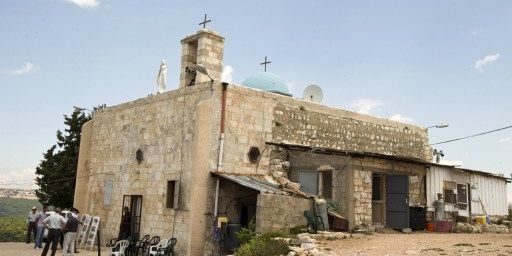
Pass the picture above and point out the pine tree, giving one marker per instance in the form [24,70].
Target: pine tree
[57,171]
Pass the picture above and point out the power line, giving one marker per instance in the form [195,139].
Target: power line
[471,136]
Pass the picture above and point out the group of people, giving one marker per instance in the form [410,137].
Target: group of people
[62,227]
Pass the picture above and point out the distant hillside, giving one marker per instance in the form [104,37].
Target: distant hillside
[18,193]
[17,207]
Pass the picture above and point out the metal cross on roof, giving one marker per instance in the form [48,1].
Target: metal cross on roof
[205,21]
[265,63]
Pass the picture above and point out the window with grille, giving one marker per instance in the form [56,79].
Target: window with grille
[462,196]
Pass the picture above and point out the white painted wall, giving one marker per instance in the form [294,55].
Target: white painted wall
[491,190]
[435,184]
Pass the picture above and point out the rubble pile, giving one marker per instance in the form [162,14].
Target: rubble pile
[310,244]
[463,227]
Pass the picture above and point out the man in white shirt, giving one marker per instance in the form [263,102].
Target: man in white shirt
[32,224]
[55,222]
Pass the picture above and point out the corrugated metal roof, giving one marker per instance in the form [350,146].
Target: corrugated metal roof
[263,183]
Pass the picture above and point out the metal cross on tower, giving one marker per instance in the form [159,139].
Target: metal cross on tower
[205,21]
[265,63]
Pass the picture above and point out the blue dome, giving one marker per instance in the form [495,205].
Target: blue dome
[267,82]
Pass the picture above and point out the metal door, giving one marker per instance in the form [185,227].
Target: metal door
[397,201]
[308,181]
[131,225]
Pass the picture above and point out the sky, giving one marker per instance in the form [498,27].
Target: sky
[422,62]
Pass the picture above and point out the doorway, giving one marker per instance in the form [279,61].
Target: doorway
[378,193]
[247,213]
[130,220]
[397,201]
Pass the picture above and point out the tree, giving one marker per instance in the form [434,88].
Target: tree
[57,171]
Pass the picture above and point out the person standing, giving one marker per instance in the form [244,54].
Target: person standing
[439,207]
[54,223]
[40,227]
[76,213]
[31,224]
[70,235]
[126,224]
[62,231]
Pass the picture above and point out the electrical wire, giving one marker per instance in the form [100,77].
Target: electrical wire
[471,136]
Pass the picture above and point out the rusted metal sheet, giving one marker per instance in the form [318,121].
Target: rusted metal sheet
[262,183]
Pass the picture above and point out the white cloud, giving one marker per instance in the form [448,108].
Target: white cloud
[85,3]
[365,106]
[401,119]
[227,74]
[21,178]
[487,60]
[505,140]
[477,32]
[27,68]
[451,162]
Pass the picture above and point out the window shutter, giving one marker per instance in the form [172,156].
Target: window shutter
[176,194]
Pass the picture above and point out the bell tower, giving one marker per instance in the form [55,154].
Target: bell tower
[205,49]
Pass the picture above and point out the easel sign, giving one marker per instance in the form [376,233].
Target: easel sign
[86,220]
[91,237]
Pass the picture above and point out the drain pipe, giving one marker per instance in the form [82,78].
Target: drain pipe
[221,145]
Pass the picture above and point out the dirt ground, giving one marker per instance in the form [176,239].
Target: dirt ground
[423,244]
[377,244]
[23,249]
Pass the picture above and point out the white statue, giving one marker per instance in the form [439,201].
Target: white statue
[161,78]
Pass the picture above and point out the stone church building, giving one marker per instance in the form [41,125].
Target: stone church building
[181,159]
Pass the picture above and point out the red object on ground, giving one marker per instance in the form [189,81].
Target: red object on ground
[430,226]
[444,226]
[337,222]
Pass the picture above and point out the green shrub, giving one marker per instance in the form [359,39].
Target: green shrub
[272,234]
[246,234]
[263,245]
[12,229]
[298,229]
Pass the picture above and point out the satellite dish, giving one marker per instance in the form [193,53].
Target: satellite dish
[313,93]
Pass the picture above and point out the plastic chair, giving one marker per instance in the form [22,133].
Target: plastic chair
[314,221]
[153,241]
[140,244]
[167,250]
[119,248]
[154,248]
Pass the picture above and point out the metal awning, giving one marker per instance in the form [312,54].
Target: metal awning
[262,183]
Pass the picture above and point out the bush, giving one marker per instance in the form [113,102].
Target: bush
[252,244]
[298,229]
[246,234]
[12,229]
[263,245]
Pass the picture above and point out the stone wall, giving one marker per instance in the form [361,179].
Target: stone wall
[278,212]
[340,173]
[416,190]
[304,123]
[164,127]
[362,170]
[362,197]
[255,117]
[205,49]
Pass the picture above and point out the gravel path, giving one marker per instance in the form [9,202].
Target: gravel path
[23,249]
[423,244]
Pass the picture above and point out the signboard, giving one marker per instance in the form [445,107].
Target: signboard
[82,232]
[91,237]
